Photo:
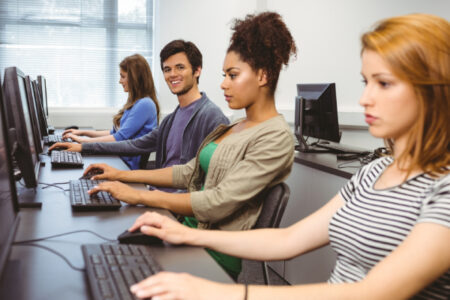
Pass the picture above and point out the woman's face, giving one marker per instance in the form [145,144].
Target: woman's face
[241,84]
[124,80]
[390,104]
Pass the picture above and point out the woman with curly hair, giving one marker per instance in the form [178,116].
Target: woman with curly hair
[235,162]
[390,224]
[138,116]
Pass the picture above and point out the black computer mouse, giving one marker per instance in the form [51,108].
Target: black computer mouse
[137,237]
[92,172]
[71,127]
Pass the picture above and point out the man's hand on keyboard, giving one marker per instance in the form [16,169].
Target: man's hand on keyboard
[74,147]
[120,191]
[172,231]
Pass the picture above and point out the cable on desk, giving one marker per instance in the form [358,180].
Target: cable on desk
[55,185]
[56,253]
[62,234]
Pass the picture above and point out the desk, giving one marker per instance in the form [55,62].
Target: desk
[314,180]
[33,273]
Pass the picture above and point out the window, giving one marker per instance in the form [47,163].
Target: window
[76,44]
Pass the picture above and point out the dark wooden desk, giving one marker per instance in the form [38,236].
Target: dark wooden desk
[33,273]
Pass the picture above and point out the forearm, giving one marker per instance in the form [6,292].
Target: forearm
[158,177]
[179,203]
[99,139]
[94,133]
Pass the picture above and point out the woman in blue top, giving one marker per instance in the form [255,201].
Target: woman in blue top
[137,117]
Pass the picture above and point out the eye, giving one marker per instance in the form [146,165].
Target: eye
[364,81]
[166,70]
[384,84]
[180,67]
[232,76]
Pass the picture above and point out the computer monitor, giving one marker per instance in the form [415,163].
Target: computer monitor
[43,92]
[18,117]
[8,197]
[42,119]
[316,114]
[38,137]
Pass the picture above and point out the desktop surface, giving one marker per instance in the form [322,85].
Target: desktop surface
[39,274]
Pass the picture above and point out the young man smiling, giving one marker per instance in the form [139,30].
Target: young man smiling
[180,134]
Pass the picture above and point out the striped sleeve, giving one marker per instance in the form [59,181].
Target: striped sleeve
[436,208]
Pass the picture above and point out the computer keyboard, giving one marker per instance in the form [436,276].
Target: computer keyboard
[112,268]
[81,201]
[66,159]
[54,138]
[340,148]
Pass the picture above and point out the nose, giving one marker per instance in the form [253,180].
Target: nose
[224,84]
[366,98]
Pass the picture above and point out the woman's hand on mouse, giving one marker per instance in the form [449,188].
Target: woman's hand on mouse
[74,147]
[76,138]
[107,172]
[169,230]
[118,190]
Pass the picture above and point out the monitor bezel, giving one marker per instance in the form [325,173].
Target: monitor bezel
[40,110]
[38,137]
[15,109]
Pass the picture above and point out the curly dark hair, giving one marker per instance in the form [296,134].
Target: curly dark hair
[264,42]
[193,54]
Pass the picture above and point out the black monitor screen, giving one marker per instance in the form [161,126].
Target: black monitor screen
[17,107]
[43,90]
[8,195]
[42,119]
[37,135]
[316,112]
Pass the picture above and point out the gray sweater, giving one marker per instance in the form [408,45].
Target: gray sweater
[204,119]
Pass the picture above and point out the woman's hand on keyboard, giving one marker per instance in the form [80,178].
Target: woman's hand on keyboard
[168,285]
[119,190]
[172,231]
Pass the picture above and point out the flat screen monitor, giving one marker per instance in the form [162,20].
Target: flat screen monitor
[42,119]
[43,92]
[316,113]
[18,116]
[32,109]
[8,197]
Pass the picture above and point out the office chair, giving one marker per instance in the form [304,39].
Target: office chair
[274,203]
[145,163]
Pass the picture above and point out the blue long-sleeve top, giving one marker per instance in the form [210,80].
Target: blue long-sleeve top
[136,121]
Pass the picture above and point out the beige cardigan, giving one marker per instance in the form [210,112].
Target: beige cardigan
[242,165]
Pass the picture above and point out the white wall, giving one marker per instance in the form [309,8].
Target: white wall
[326,32]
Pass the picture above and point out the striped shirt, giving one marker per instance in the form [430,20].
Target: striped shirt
[372,222]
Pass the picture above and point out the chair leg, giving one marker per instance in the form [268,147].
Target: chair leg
[266,273]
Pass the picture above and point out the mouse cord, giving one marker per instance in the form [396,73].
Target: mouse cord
[55,185]
[56,253]
[62,234]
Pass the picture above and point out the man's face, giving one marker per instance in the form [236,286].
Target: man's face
[178,74]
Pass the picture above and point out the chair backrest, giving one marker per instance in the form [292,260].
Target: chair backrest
[143,161]
[274,203]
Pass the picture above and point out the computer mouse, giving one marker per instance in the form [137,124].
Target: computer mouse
[137,237]
[71,127]
[92,172]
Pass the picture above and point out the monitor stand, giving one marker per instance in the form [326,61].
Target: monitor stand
[305,148]
[27,197]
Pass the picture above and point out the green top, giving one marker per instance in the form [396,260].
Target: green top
[231,264]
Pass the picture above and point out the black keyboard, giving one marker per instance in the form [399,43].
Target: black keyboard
[82,201]
[112,268]
[66,159]
[54,138]
[341,148]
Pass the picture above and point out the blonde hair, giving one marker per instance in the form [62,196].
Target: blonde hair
[140,84]
[417,49]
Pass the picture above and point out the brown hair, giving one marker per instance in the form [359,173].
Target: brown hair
[264,42]
[417,49]
[193,54]
[140,84]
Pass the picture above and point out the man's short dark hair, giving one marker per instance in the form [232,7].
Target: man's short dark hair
[194,55]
